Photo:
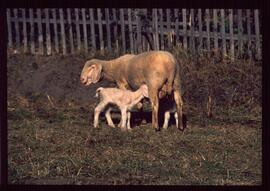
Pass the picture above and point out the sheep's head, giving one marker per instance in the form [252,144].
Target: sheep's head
[91,72]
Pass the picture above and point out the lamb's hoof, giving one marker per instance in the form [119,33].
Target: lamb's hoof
[180,128]
[123,129]
[157,129]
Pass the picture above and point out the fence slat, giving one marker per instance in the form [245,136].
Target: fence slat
[208,28]
[176,25]
[92,26]
[40,33]
[32,40]
[249,32]
[130,31]
[161,23]
[169,32]
[184,19]
[17,37]
[223,31]
[123,30]
[200,28]
[25,42]
[48,34]
[107,17]
[139,32]
[192,38]
[257,32]
[155,24]
[231,33]
[78,33]
[115,31]
[84,31]
[100,31]
[56,41]
[63,35]
[70,31]
[240,32]
[215,29]
[10,44]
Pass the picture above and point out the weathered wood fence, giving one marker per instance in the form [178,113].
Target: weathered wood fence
[69,31]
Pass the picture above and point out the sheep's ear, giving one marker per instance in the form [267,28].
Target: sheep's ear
[145,91]
[95,72]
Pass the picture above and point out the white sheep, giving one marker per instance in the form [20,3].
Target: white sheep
[124,99]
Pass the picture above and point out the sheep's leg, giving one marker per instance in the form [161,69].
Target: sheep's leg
[166,120]
[176,118]
[128,120]
[98,109]
[153,95]
[123,118]
[179,109]
[108,117]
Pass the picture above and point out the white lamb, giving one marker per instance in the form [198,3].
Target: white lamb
[124,99]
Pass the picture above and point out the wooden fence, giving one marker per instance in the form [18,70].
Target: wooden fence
[69,31]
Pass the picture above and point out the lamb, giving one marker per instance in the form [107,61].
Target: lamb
[159,70]
[124,99]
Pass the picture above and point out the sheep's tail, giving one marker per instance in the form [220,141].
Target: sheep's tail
[98,91]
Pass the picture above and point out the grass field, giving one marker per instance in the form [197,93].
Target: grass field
[60,146]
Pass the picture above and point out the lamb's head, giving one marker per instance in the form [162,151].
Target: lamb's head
[91,72]
[144,89]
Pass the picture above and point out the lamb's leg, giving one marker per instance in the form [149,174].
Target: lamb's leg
[108,117]
[176,118]
[179,109]
[166,120]
[128,120]
[123,118]
[98,109]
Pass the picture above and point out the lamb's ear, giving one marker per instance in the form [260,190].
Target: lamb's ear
[145,90]
[94,73]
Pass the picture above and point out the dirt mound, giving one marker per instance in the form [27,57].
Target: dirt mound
[56,76]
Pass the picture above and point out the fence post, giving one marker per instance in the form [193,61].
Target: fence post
[9,29]
[130,31]
[40,33]
[223,31]
[92,25]
[208,28]
[56,41]
[257,32]
[84,31]
[231,34]
[107,17]
[48,34]
[215,29]
[100,31]
[32,40]
[78,34]
[155,19]
[123,29]
[70,31]
[184,23]
[24,32]
[240,32]
[161,29]
[17,37]
[63,35]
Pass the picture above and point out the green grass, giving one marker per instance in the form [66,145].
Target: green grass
[60,146]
